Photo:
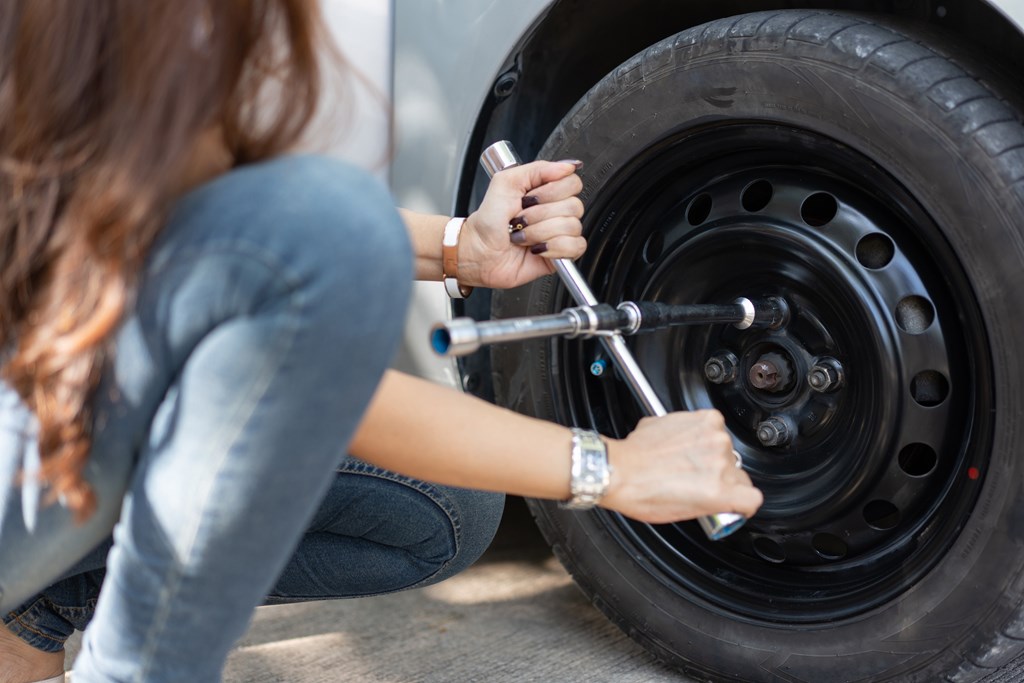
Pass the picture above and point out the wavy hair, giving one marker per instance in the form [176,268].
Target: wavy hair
[102,103]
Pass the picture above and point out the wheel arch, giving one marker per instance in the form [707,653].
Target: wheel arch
[576,42]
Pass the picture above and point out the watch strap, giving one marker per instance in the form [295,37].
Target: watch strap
[450,259]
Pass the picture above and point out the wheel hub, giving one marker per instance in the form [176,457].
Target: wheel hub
[772,372]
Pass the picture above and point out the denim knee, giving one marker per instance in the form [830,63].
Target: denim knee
[452,526]
[377,532]
[480,512]
[455,525]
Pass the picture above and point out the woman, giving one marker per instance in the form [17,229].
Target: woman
[198,325]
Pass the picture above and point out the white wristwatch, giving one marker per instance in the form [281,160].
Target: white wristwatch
[590,473]
[450,259]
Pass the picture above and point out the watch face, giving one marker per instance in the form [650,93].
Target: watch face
[590,472]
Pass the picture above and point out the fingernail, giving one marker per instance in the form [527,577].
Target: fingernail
[575,162]
[518,237]
[518,223]
[530,200]
[539,248]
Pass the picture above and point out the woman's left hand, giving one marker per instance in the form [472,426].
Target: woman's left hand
[494,251]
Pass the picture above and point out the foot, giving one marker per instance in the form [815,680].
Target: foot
[22,663]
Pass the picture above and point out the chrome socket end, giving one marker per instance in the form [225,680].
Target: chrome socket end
[717,527]
[457,337]
[498,157]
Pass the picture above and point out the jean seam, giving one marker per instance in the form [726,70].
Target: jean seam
[16,614]
[64,611]
[35,639]
[176,569]
[16,618]
[34,607]
[30,629]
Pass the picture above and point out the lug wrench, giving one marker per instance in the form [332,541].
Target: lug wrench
[462,336]
[502,155]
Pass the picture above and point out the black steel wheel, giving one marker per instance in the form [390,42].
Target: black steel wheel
[803,155]
[862,495]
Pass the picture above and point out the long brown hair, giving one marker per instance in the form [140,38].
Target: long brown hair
[101,105]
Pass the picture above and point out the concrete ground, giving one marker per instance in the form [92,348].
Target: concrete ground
[514,617]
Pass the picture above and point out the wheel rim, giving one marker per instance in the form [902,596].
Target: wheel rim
[881,471]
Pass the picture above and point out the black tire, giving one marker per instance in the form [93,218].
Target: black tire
[872,181]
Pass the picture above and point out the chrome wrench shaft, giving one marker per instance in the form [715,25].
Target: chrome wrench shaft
[502,155]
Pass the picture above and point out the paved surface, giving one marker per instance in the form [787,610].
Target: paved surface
[514,617]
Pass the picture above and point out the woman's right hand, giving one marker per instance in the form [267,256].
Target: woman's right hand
[677,467]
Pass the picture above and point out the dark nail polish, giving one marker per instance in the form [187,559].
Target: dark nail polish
[575,162]
[530,200]
[518,237]
[539,248]
[518,223]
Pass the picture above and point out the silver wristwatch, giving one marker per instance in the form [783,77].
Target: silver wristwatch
[590,474]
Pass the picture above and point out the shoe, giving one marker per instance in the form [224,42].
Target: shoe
[56,679]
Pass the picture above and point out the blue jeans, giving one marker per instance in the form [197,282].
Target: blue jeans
[267,312]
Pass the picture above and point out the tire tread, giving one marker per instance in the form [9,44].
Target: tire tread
[931,74]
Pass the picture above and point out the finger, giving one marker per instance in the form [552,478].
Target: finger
[562,246]
[556,190]
[546,230]
[746,500]
[571,206]
[526,177]
[711,418]
[704,421]
[736,477]
[717,441]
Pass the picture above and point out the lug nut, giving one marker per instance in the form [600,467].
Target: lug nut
[721,369]
[774,432]
[826,375]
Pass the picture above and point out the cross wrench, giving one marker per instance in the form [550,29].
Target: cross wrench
[502,155]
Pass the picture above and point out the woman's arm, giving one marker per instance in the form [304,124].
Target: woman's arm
[425,232]
[669,469]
